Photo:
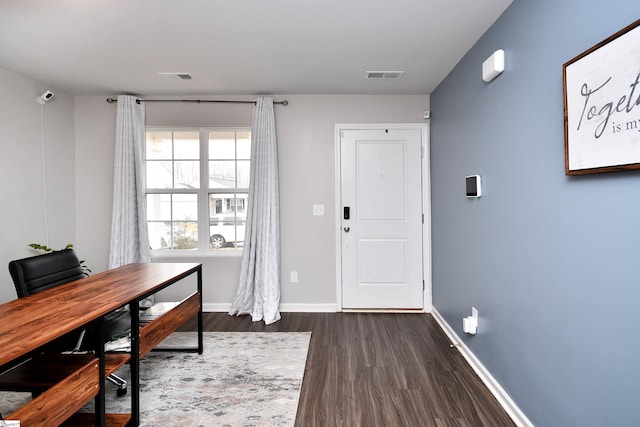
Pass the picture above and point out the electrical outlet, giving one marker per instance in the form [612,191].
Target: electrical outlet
[294,277]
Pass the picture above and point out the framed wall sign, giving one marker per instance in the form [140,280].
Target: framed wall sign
[602,105]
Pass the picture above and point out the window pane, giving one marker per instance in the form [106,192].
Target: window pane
[187,174]
[186,145]
[222,174]
[185,235]
[222,145]
[185,207]
[160,235]
[159,174]
[243,144]
[158,145]
[227,204]
[226,231]
[244,167]
[227,220]
[158,207]
[235,204]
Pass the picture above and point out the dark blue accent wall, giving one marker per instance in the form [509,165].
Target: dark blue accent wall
[551,262]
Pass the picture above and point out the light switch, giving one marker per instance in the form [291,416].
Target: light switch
[318,210]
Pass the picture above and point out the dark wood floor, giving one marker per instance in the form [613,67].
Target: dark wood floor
[379,370]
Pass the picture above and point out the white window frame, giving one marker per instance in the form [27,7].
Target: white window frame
[202,194]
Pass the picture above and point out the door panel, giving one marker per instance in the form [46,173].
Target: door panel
[380,169]
[381,183]
[382,261]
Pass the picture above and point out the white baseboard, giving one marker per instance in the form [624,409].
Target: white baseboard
[308,308]
[216,307]
[494,387]
[284,308]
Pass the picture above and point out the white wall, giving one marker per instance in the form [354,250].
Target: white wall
[305,131]
[21,172]
[95,121]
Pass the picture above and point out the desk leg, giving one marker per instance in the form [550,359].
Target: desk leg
[100,417]
[135,363]
[200,339]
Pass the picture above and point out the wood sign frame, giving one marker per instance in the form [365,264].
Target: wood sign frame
[602,105]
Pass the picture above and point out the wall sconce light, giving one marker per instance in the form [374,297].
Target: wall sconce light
[493,66]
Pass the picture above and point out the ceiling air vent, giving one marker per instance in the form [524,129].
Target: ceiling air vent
[176,76]
[384,74]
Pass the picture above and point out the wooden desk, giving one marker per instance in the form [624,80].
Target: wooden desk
[31,322]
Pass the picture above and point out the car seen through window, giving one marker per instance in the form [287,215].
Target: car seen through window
[227,230]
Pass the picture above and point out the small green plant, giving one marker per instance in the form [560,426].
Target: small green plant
[44,248]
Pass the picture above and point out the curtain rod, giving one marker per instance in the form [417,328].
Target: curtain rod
[198,101]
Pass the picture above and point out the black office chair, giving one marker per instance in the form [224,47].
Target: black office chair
[39,273]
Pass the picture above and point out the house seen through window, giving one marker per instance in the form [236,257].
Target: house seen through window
[197,182]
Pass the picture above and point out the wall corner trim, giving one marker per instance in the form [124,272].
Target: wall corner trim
[518,417]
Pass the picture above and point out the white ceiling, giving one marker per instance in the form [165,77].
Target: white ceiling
[91,47]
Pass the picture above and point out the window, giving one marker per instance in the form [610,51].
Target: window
[197,188]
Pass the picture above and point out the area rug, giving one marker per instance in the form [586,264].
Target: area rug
[241,379]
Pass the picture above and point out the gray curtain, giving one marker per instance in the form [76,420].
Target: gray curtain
[129,233]
[258,291]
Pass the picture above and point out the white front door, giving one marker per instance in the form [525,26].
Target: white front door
[381,211]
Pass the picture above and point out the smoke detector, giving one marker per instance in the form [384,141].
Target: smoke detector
[176,76]
[379,75]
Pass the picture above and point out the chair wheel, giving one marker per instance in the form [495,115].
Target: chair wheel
[121,391]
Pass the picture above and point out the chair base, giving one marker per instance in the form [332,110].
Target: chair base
[120,382]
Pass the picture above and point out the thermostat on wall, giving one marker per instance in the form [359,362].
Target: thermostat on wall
[474,188]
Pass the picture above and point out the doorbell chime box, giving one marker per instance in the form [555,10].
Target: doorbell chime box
[473,186]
